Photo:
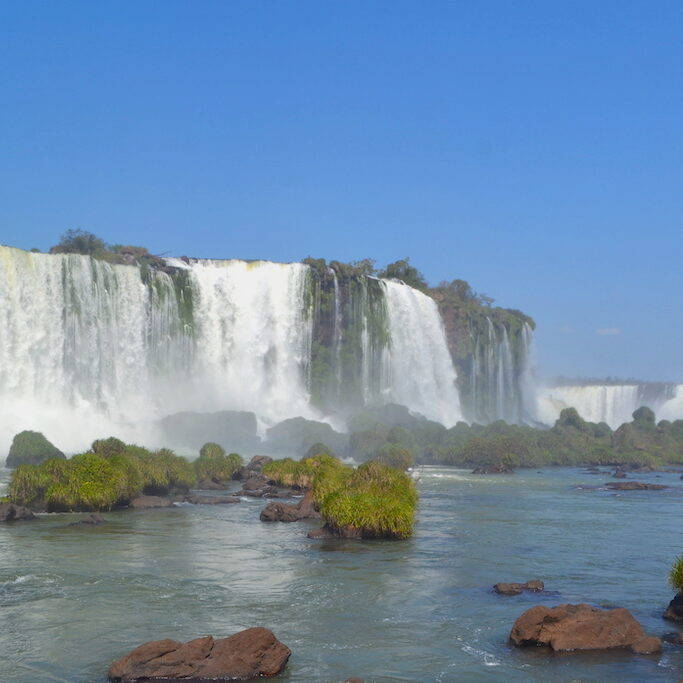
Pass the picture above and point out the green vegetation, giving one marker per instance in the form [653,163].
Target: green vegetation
[396,456]
[214,464]
[319,449]
[571,441]
[676,574]
[31,448]
[302,474]
[375,499]
[111,474]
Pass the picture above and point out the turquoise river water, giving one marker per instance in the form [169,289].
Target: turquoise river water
[72,599]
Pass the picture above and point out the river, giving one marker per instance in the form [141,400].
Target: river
[74,598]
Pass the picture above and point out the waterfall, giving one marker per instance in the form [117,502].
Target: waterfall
[422,375]
[89,349]
[610,403]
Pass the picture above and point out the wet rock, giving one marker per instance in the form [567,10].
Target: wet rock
[633,486]
[9,512]
[267,491]
[493,469]
[211,500]
[619,475]
[675,638]
[534,586]
[337,532]
[208,484]
[258,462]
[282,512]
[249,654]
[93,518]
[255,483]
[582,627]
[674,612]
[148,502]
[254,468]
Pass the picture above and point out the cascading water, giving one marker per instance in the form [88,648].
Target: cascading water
[252,337]
[421,371]
[89,349]
[610,403]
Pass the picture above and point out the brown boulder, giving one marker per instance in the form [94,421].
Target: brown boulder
[147,502]
[326,532]
[9,512]
[249,654]
[281,512]
[582,627]
[516,588]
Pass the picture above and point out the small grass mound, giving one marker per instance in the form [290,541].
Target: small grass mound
[215,465]
[377,500]
[111,474]
[676,574]
[302,473]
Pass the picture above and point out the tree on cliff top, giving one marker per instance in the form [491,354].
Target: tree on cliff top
[79,242]
[402,270]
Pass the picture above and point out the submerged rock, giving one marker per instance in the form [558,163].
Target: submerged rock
[148,502]
[534,586]
[93,518]
[9,512]
[634,486]
[582,627]
[498,468]
[211,500]
[327,532]
[249,654]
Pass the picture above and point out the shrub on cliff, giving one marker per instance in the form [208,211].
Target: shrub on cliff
[214,464]
[31,448]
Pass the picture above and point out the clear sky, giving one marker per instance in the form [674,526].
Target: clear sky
[534,149]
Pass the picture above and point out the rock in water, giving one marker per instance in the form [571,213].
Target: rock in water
[249,654]
[282,512]
[9,512]
[634,486]
[147,502]
[674,612]
[534,586]
[582,627]
[498,468]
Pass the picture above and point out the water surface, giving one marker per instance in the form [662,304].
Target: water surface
[72,599]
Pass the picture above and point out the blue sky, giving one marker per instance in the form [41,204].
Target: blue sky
[534,149]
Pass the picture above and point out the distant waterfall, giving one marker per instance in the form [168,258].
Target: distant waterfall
[610,403]
[422,375]
[499,383]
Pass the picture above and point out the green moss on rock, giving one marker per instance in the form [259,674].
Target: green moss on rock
[31,448]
